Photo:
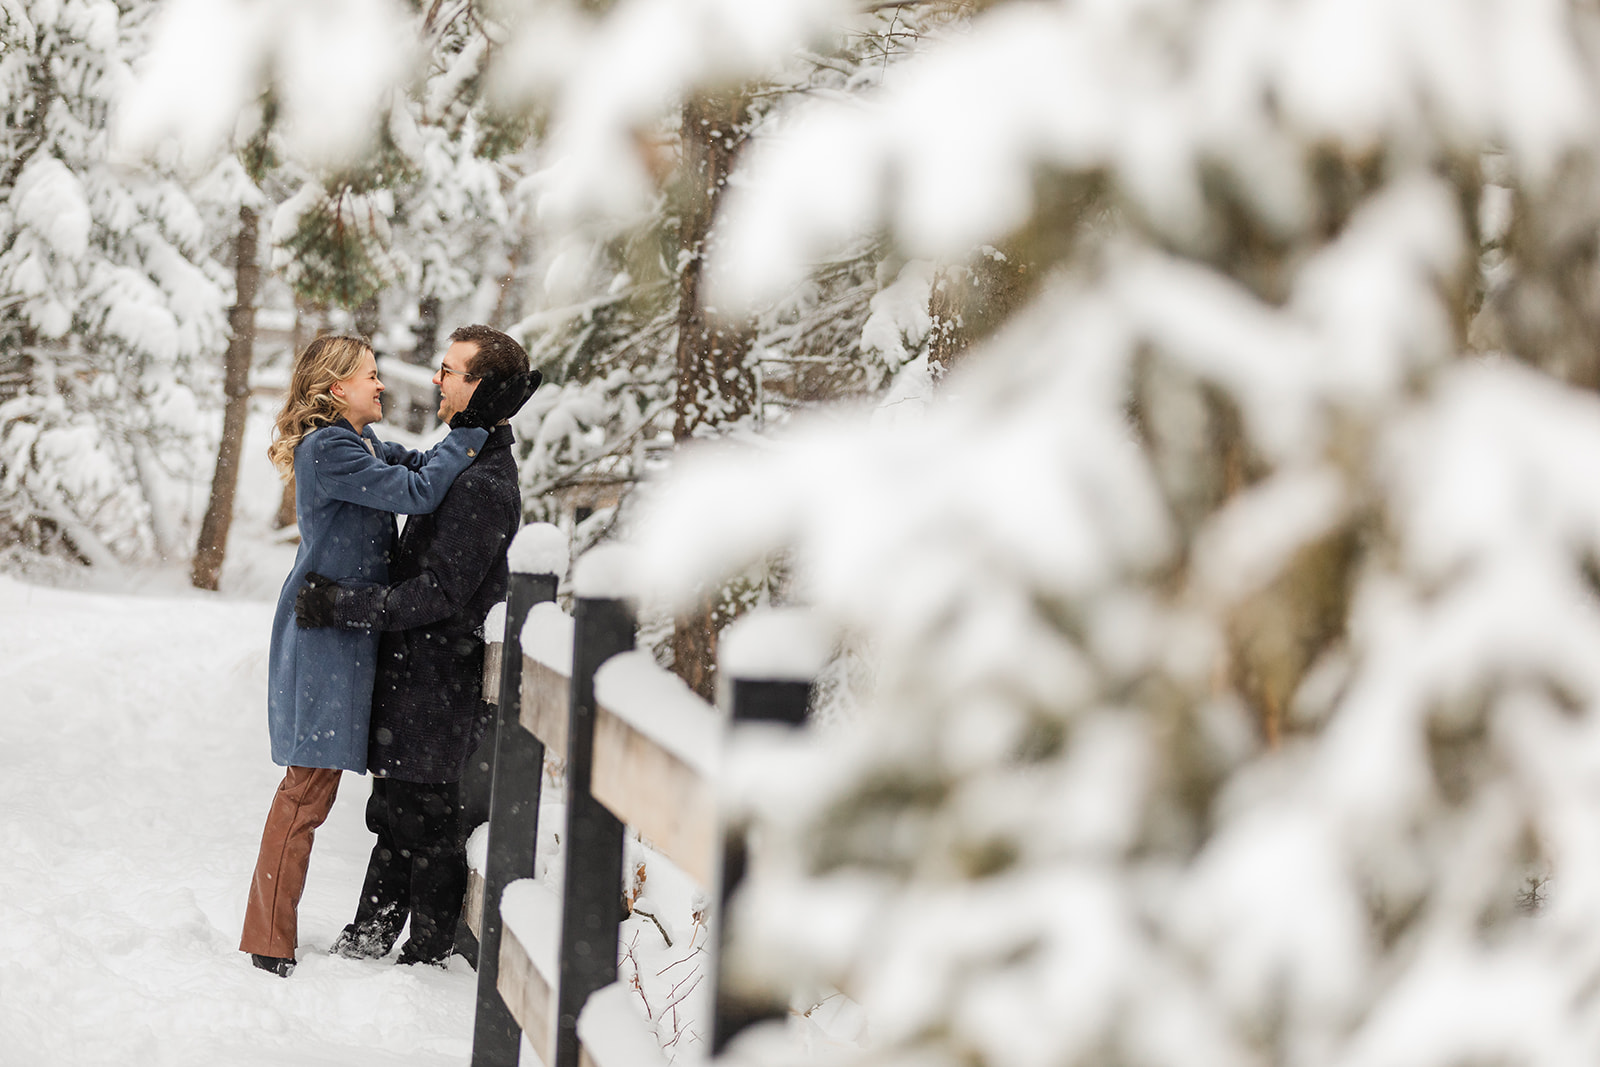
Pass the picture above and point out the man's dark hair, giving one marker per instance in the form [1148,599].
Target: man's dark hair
[498,356]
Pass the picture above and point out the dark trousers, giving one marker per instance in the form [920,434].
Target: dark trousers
[418,868]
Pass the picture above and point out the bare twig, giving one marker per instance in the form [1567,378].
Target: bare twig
[675,963]
[694,939]
[692,974]
[638,985]
[884,67]
[820,1003]
[686,992]
[652,918]
[827,61]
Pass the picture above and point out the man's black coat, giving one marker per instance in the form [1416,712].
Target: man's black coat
[428,712]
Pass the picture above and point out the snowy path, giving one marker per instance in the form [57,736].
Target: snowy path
[134,777]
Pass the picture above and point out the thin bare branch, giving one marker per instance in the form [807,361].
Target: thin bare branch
[651,916]
[697,979]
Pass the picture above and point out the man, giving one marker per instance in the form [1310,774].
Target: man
[428,712]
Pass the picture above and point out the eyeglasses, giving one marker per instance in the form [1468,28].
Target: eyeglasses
[465,376]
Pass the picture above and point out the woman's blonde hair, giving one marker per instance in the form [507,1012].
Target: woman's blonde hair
[311,403]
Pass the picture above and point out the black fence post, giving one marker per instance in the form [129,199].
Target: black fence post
[477,782]
[513,824]
[769,660]
[754,700]
[591,898]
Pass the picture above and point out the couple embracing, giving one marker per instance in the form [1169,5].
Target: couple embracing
[376,658]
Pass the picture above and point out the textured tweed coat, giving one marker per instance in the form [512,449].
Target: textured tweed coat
[428,712]
[347,487]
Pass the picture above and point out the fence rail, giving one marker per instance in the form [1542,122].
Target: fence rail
[641,751]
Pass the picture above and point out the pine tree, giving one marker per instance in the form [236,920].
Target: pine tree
[1232,603]
[640,355]
[458,226]
[112,297]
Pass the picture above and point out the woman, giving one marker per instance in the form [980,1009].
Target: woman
[348,484]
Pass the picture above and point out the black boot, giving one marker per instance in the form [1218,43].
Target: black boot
[278,965]
[408,957]
[370,938]
[438,884]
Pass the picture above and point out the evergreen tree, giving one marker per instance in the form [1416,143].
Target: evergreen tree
[641,356]
[110,296]
[426,216]
[1232,602]
[459,224]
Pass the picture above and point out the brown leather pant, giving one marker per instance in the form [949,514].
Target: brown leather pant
[301,804]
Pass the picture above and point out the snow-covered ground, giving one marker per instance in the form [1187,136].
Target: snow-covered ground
[134,778]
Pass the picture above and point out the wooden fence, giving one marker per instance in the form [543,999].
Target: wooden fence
[640,750]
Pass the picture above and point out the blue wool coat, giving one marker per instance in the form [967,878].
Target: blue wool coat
[319,681]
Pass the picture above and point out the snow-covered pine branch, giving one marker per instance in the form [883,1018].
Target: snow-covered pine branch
[115,297]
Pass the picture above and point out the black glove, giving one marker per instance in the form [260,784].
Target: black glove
[496,399]
[313,604]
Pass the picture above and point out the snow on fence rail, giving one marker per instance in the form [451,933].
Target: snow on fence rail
[641,750]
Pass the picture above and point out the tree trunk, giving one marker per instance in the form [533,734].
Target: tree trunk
[367,319]
[971,301]
[303,311]
[716,383]
[426,349]
[508,284]
[286,514]
[214,527]
[946,338]
[694,647]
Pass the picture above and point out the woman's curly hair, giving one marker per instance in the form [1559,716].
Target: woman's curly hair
[311,404]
